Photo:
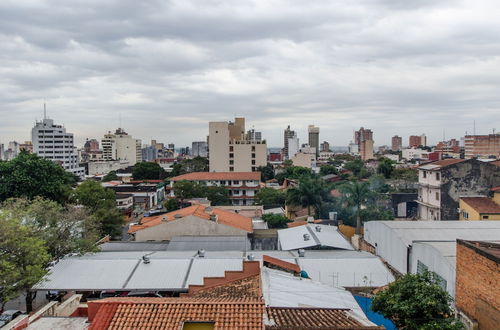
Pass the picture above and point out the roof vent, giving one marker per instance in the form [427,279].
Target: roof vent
[178,216]
[302,253]
[201,253]
[310,219]
[213,217]
[164,219]
[145,259]
[251,257]
[306,237]
[208,210]
[318,228]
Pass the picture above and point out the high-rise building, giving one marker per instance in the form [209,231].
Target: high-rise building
[364,139]
[26,146]
[2,151]
[482,146]
[396,143]
[252,135]
[199,149]
[229,150]
[325,146]
[91,145]
[450,146]
[314,137]
[52,142]
[287,135]
[121,146]
[293,146]
[417,140]
[149,153]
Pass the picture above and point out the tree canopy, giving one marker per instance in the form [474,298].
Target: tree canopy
[293,172]
[357,167]
[30,176]
[111,176]
[310,193]
[196,164]
[416,301]
[270,196]
[328,169]
[385,167]
[186,189]
[266,172]
[275,220]
[148,171]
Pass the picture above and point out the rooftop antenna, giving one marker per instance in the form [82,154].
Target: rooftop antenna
[120,118]
[474,131]
[44,110]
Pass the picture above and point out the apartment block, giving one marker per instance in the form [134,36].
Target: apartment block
[287,135]
[482,146]
[314,137]
[121,146]
[52,142]
[199,149]
[396,143]
[230,150]
[364,139]
[417,140]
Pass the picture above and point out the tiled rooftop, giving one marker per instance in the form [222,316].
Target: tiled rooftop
[482,204]
[171,313]
[223,217]
[443,163]
[216,176]
[280,264]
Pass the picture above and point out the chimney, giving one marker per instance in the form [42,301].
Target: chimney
[302,253]
[306,237]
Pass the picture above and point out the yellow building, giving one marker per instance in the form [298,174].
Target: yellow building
[480,208]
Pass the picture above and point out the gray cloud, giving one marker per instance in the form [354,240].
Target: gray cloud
[168,67]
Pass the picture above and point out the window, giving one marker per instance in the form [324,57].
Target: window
[231,155]
[236,182]
[253,161]
[465,215]
[486,217]
[253,155]
[421,267]
[424,173]
[231,169]
[231,162]
[254,168]
[437,176]
[231,148]
[253,148]
[437,195]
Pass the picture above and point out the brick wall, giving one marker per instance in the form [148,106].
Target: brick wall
[478,285]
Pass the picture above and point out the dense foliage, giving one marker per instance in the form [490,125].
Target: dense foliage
[30,176]
[385,167]
[270,196]
[266,172]
[276,220]
[416,301]
[186,189]
[148,171]
[311,193]
[197,164]
[111,176]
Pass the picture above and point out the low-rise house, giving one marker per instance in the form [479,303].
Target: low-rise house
[242,186]
[443,182]
[481,207]
[125,202]
[146,195]
[196,220]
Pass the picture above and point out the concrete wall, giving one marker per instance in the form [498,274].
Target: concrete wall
[478,287]
[243,157]
[469,178]
[218,146]
[190,225]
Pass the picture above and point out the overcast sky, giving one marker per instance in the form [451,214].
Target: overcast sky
[168,67]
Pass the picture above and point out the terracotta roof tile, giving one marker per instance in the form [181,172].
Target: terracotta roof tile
[215,176]
[296,224]
[312,318]
[482,204]
[445,162]
[280,264]
[171,313]
[223,217]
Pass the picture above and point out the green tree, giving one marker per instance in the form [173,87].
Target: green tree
[328,169]
[311,192]
[110,221]
[187,189]
[357,167]
[293,172]
[385,167]
[276,220]
[217,195]
[64,229]
[30,176]
[148,171]
[356,195]
[111,176]
[172,204]
[24,253]
[416,301]
[266,172]
[197,164]
[94,196]
[270,196]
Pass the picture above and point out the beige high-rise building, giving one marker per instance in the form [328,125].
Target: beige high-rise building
[314,137]
[364,139]
[121,146]
[229,150]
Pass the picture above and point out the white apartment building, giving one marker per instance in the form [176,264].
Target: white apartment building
[121,146]
[230,150]
[429,191]
[415,153]
[293,145]
[53,142]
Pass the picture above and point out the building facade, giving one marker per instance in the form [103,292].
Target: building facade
[199,149]
[364,139]
[52,142]
[287,135]
[417,140]
[482,146]
[313,132]
[121,146]
[230,150]
[396,143]
[442,183]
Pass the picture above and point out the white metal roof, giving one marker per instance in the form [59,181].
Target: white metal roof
[319,235]
[211,268]
[281,289]
[159,274]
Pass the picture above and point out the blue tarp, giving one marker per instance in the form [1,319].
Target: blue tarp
[365,304]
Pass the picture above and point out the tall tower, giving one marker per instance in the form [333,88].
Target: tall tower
[364,139]
[314,137]
[287,134]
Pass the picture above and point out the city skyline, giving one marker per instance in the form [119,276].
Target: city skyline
[168,68]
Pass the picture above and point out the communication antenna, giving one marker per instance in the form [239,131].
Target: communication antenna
[474,131]
[44,110]
[120,119]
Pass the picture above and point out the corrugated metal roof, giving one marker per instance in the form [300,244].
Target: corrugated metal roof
[211,268]
[159,274]
[209,243]
[293,238]
[281,289]
[133,246]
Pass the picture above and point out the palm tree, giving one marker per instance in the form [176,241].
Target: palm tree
[311,192]
[357,194]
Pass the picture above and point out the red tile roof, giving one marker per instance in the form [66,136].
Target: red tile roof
[445,162]
[482,204]
[312,318]
[280,264]
[296,224]
[171,313]
[216,176]
[496,162]
[495,189]
[223,217]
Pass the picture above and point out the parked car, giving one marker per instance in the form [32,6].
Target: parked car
[8,316]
